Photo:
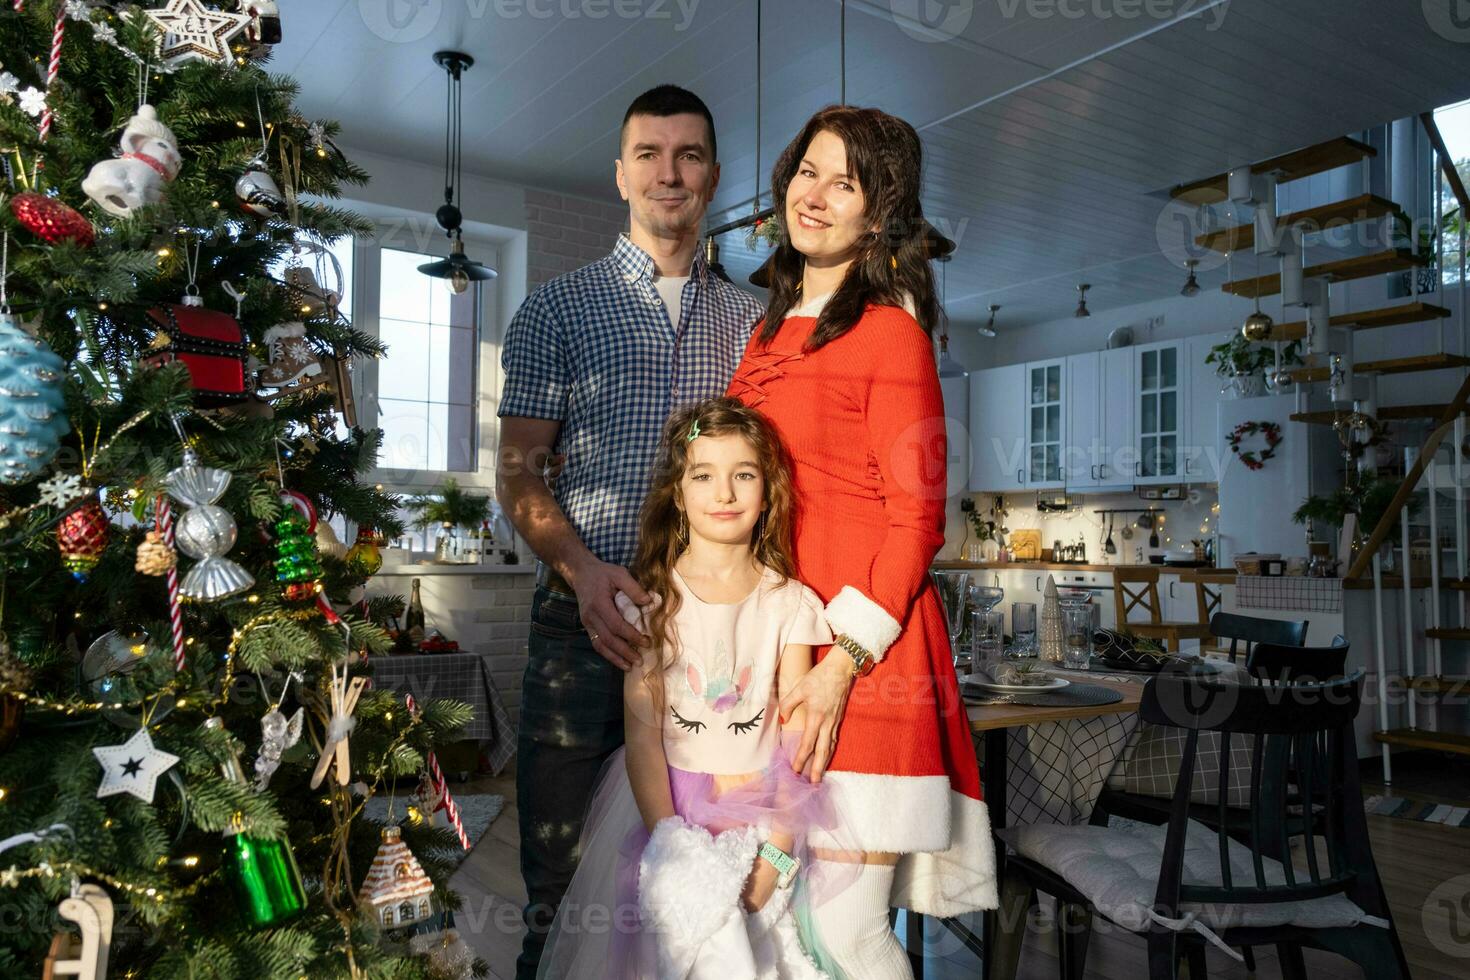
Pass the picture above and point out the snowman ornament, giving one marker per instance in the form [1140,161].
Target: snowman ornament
[150,160]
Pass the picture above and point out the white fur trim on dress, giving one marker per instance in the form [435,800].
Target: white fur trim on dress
[864,620]
[948,863]
[689,886]
[779,954]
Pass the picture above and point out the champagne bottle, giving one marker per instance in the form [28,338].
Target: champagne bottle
[261,870]
[413,620]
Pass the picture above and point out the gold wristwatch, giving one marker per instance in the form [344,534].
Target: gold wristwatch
[862,660]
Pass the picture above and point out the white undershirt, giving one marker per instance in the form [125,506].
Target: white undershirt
[671,290]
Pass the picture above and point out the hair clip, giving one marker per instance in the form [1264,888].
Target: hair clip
[693,432]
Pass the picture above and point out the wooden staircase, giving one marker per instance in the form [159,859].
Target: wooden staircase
[1306,162]
[1391,316]
[1364,207]
[1339,270]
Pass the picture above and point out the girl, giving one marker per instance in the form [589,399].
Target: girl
[694,844]
[843,367]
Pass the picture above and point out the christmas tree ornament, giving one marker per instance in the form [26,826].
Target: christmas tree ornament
[132,767]
[396,891]
[307,296]
[342,694]
[155,557]
[291,359]
[277,734]
[82,956]
[298,570]
[82,537]
[61,489]
[165,521]
[449,955]
[53,69]
[1050,639]
[364,558]
[149,161]
[209,343]
[51,220]
[111,657]
[441,785]
[262,871]
[264,29]
[258,192]
[32,401]
[327,542]
[205,531]
[193,32]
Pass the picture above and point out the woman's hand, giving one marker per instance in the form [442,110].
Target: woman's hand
[759,886]
[824,692]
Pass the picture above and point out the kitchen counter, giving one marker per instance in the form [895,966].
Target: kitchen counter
[1212,575]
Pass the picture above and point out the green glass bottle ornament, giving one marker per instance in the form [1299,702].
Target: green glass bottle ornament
[298,570]
[262,871]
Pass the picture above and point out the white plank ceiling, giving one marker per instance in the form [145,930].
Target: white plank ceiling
[1051,129]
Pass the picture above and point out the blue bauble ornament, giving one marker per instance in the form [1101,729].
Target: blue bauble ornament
[32,403]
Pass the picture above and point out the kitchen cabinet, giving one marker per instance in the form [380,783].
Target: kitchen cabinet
[1046,436]
[998,429]
[1204,446]
[1099,398]
[956,393]
[1160,393]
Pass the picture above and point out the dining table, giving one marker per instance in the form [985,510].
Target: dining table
[998,726]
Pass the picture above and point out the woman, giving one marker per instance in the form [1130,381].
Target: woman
[843,367]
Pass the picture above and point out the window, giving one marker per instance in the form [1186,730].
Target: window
[1454,125]
[425,392]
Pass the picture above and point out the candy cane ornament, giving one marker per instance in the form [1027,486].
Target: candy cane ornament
[441,786]
[53,68]
[175,612]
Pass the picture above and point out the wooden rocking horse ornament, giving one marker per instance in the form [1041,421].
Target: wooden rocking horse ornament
[90,907]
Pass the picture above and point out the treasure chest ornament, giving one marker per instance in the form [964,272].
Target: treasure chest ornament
[211,345]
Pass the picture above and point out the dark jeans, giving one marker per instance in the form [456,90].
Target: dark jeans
[571,721]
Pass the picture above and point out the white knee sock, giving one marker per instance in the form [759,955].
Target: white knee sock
[853,926]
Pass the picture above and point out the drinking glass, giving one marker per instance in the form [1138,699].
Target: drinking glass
[1076,636]
[1023,627]
[953,585]
[986,597]
[987,639]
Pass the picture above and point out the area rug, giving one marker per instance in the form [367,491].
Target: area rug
[1405,808]
[477,810]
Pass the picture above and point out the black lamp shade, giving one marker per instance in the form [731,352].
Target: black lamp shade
[458,262]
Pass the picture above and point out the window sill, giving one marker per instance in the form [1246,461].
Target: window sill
[417,569]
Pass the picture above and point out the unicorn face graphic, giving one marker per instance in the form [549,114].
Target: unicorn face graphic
[722,688]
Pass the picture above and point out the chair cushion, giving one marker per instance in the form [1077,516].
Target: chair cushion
[1117,869]
[1151,764]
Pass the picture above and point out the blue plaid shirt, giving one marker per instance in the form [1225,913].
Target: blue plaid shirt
[595,349]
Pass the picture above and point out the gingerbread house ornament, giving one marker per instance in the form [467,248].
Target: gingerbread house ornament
[396,888]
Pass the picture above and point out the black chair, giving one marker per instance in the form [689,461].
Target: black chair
[1302,731]
[1251,630]
[1287,664]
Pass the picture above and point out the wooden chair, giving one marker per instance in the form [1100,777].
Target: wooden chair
[1138,586]
[1251,630]
[1304,750]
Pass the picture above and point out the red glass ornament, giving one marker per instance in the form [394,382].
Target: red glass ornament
[301,591]
[51,219]
[82,537]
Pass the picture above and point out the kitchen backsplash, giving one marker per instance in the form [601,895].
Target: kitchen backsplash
[1193,518]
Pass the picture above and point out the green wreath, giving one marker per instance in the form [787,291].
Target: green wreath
[1252,459]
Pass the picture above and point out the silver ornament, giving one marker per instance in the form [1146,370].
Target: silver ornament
[112,655]
[205,532]
[276,736]
[258,192]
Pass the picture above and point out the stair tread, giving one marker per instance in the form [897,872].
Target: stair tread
[1406,365]
[1389,413]
[1364,207]
[1434,685]
[1339,270]
[1419,739]
[1447,633]
[1309,375]
[1389,316]
[1299,163]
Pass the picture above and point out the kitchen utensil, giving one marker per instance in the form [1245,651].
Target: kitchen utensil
[1109,548]
[1127,531]
[1153,538]
[1146,520]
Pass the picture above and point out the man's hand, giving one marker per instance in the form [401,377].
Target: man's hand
[613,637]
[824,692]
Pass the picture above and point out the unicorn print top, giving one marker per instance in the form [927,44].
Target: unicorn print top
[721,710]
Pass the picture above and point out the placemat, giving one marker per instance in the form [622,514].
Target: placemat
[1073,696]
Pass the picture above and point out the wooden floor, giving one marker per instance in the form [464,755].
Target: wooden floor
[1413,857]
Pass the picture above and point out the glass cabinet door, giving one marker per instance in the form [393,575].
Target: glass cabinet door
[1158,413]
[1044,426]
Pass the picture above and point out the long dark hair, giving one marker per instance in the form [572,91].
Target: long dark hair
[884,153]
[659,540]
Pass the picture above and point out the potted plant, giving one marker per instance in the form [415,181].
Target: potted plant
[1368,498]
[449,507]
[1243,363]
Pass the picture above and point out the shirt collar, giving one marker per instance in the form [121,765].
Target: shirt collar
[636,265]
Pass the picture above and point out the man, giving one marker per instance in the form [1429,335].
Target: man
[594,362]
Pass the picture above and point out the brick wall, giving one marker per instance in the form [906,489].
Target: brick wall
[565,232]
[502,605]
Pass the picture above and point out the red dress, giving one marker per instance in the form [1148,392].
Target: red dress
[862,419]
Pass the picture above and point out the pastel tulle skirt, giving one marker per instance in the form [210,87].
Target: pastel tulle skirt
[598,930]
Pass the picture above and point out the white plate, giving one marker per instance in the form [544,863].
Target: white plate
[978,682]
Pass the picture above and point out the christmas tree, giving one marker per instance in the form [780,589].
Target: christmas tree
[171,375]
